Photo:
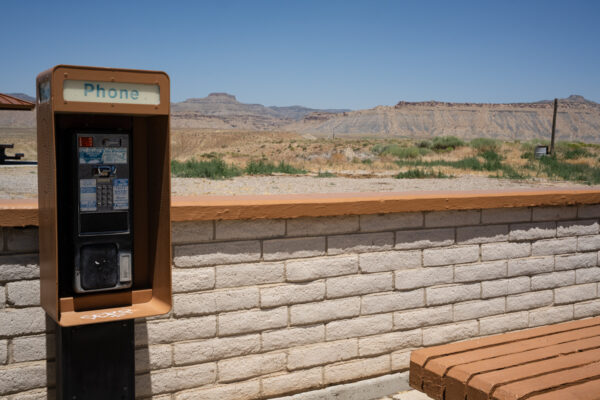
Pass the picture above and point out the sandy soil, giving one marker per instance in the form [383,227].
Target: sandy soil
[21,182]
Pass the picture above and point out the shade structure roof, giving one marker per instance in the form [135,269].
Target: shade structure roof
[12,103]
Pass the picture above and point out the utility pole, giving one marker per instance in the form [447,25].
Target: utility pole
[553,126]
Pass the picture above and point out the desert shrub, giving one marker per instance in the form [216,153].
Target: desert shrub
[484,144]
[425,144]
[416,173]
[447,143]
[377,149]
[367,161]
[472,163]
[493,160]
[264,167]
[326,174]
[213,169]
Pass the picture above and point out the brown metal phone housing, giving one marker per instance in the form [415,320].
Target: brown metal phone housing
[150,293]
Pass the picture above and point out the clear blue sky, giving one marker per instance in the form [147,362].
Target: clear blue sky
[338,54]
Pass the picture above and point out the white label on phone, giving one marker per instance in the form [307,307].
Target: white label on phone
[125,267]
[87,195]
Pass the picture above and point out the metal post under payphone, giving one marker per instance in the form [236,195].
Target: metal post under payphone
[95,362]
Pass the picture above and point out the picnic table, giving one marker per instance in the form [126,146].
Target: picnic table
[554,362]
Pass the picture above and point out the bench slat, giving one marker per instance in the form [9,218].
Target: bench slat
[472,373]
[436,369]
[583,391]
[447,369]
[489,382]
[526,387]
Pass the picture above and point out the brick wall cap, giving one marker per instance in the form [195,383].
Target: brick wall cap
[23,212]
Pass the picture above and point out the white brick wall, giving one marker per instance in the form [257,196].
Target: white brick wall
[452,293]
[422,317]
[237,369]
[328,310]
[273,296]
[267,308]
[322,353]
[362,326]
[450,333]
[390,222]
[192,232]
[504,323]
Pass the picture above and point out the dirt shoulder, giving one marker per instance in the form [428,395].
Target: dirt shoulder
[21,182]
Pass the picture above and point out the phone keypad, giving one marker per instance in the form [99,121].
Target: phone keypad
[104,196]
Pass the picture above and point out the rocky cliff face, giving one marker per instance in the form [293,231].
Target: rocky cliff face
[577,119]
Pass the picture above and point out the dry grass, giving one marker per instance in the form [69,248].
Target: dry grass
[350,156]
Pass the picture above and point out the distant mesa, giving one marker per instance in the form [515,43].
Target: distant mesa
[214,97]
[574,98]
[578,119]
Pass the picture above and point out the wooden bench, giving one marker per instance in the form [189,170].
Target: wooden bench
[555,362]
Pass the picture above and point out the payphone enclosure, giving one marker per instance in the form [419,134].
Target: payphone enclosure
[104,194]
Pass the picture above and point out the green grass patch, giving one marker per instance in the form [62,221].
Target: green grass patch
[471,163]
[400,151]
[492,162]
[212,169]
[578,172]
[264,167]
[571,150]
[417,173]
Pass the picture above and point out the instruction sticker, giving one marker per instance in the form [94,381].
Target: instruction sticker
[102,155]
[121,194]
[90,155]
[87,195]
[114,155]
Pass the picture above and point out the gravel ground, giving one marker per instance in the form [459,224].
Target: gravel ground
[21,182]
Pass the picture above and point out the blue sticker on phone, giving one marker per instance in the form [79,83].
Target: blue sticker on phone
[121,194]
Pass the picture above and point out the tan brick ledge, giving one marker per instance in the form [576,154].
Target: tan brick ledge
[205,208]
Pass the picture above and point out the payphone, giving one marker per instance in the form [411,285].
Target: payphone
[104,219]
[104,194]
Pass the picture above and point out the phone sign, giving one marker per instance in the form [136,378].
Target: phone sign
[111,92]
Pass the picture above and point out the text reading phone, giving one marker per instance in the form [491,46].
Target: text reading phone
[104,239]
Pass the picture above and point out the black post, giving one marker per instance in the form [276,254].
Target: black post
[553,126]
[95,362]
